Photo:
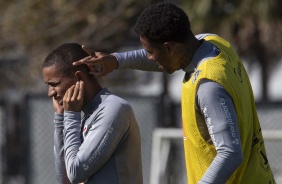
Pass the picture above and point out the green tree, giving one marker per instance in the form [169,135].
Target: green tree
[29,30]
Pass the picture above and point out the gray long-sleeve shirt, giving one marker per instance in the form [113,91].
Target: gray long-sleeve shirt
[215,109]
[104,147]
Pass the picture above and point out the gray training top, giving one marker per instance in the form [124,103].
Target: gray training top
[214,105]
[104,147]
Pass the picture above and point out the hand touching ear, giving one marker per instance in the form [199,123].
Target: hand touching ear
[73,99]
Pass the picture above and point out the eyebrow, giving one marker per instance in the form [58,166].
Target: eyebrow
[53,82]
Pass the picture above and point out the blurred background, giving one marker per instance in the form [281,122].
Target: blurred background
[30,29]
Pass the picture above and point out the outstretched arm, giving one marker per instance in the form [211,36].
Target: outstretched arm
[101,64]
[136,59]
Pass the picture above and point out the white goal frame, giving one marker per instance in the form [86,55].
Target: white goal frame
[161,142]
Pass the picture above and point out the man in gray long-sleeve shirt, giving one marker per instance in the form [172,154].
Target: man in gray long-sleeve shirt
[102,147]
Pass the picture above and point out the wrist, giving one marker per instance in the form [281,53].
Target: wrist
[115,60]
[58,118]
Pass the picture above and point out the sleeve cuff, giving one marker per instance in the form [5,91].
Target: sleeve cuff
[120,60]
[58,117]
[72,115]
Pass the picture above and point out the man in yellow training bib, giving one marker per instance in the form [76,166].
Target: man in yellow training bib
[222,136]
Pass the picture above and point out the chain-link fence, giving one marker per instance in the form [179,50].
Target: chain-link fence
[40,129]
[36,119]
[40,115]
[270,117]
[2,141]
[174,171]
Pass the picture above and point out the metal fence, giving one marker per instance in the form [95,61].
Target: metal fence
[270,116]
[32,149]
[40,141]
[164,139]
[2,141]
[168,161]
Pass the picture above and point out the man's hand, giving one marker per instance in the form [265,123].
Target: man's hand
[73,99]
[99,64]
[58,109]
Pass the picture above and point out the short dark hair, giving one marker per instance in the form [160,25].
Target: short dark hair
[63,57]
[163,22]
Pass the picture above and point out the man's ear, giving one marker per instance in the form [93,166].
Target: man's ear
[79,75]
[169,47]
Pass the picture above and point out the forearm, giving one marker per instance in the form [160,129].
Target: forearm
[103,136]
[136,59]
[229,153]
[72,141]
[222,167]
[60,167]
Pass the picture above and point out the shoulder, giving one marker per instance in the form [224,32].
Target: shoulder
[204,35]
[112,98]
[115,102]
[209,87]
[211,91]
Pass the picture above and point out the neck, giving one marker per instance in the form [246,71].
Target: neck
[190,47]
[92,89]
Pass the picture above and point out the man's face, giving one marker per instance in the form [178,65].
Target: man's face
[161,55]
[58,83]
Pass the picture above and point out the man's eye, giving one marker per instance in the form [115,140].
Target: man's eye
[53,84]
[149,52]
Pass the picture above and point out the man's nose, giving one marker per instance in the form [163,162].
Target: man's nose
[51,91]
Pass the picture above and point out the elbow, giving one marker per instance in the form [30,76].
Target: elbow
[240,158]
[234,158]
[75,178]
[75,175]
[237,158]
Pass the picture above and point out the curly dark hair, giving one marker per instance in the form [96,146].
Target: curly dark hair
[163,22]
[63,57]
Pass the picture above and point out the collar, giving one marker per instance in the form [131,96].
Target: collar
[96,101]
[205,50]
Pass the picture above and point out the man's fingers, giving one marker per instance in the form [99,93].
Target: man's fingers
[69,94]
[90,52]
[81,90]
[73,98]
[76,91]
[85,60]
[89,60]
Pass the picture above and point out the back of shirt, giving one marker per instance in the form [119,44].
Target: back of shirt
[116,129]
